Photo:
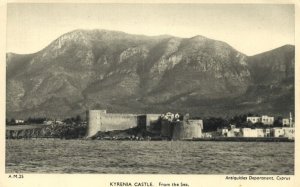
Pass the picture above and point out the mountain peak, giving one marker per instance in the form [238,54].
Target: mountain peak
[199,37]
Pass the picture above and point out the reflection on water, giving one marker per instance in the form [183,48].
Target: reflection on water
[166,157]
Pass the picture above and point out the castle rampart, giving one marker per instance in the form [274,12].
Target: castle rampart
[167,128]
[100,121]
[187,129]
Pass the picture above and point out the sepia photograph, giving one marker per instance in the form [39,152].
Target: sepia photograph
[111,88]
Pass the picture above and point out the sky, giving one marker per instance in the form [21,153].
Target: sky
[249,28]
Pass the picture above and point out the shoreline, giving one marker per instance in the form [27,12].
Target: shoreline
[245,139]
[215,139]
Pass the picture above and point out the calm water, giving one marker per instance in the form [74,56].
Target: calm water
[85,156]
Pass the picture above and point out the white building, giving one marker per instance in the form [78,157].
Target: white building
[224,131]
[278,132]
[267,120]
[254,119]
[19,121]
[267,132]
[231,133]
[206,135]
[168,116]
[260,132]
[289,132]
[247,132]
[286,122]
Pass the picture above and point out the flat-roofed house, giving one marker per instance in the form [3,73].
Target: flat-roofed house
[289,132]
[247,132]
[278,132]
[286,122]
[267,120]
[254,119]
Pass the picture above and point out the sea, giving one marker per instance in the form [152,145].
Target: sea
[148,157]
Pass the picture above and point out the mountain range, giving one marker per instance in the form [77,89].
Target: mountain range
[120,72]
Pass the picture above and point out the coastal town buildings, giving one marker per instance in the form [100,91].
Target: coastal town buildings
[277,132]
[288,122]
[287,130]
[267,120]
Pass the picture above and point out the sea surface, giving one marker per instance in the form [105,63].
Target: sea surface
[149,157]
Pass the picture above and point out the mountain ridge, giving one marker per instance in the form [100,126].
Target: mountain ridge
[121,72]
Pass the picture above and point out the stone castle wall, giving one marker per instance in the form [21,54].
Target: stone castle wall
[99,120]
[111,122]
[94,121]
[153,123]
[167,128]
[187,129]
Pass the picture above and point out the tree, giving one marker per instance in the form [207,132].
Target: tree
[259,125]
[212,124]
[12,121]
[68,121]
[239,119]
[78,119]
[278,122]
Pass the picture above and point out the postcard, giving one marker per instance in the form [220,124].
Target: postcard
[149,94]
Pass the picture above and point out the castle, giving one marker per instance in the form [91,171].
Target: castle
[169,127]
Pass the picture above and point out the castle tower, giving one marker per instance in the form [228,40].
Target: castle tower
[94,119]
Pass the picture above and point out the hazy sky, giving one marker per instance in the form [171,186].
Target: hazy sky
[250,29]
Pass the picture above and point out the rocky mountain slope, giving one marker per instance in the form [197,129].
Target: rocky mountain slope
[100,69]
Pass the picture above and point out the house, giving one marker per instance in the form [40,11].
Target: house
[231,132]
[207,135]
[289,132]
[267,132]
[248,132]
[267,120]
[168,116]
[286,122]
[223,131]
[254,119]
[261,133]
[278,132]
[19,121]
